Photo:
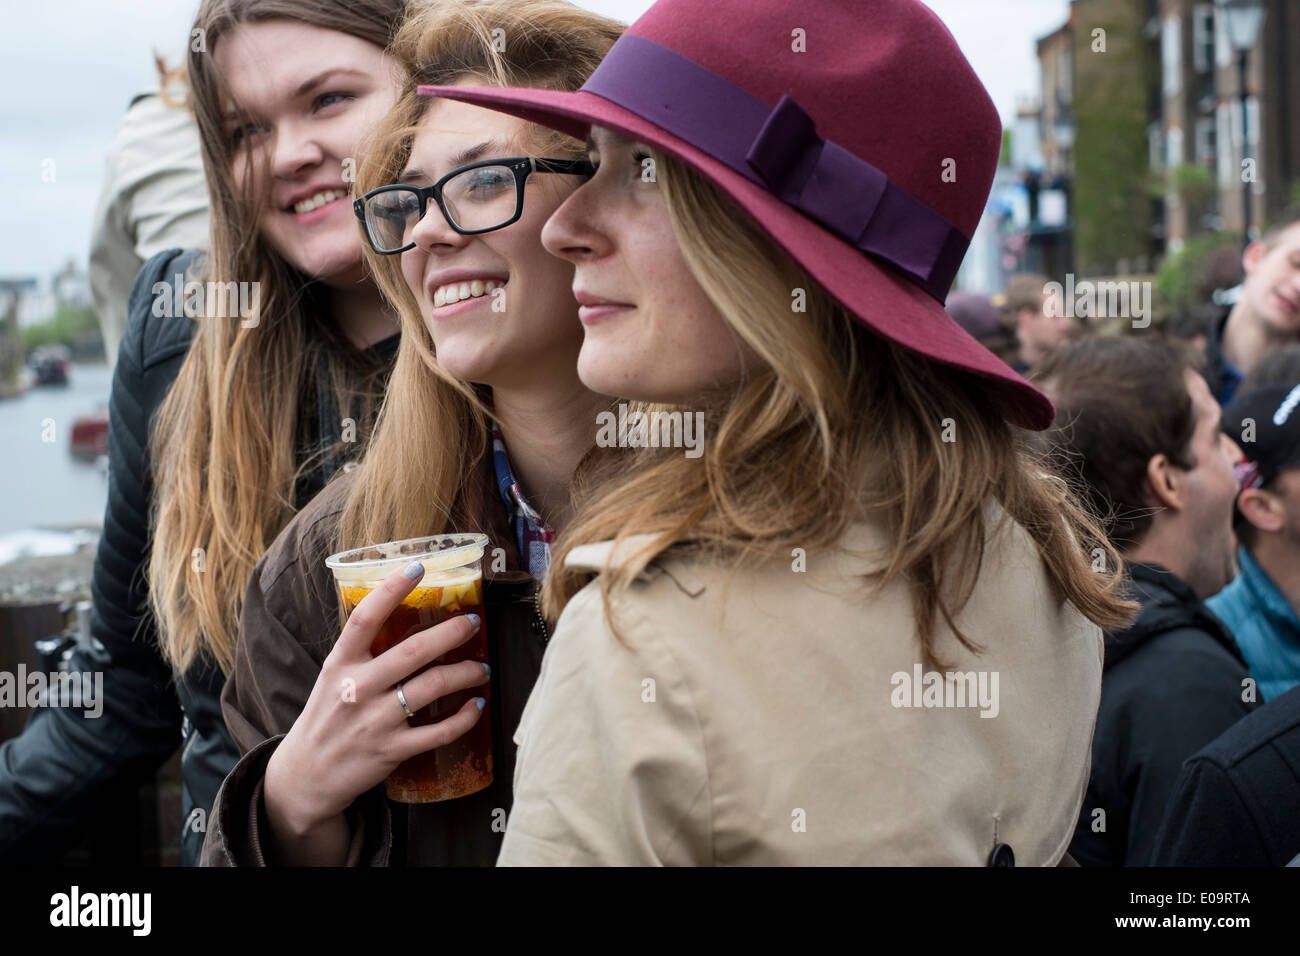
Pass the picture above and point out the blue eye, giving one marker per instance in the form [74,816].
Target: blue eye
[398,205]
[240,133]
[490,178]
[332,98]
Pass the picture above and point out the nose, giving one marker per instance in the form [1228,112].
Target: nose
[574,232]
[294,153]
[1235,454]
[433,233]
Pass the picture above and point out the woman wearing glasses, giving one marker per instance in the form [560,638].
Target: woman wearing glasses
[254,400]
[483,428]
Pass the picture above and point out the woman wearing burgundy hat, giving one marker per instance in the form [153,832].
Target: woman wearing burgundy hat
[861,624]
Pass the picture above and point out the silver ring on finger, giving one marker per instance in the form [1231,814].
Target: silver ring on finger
[401,699]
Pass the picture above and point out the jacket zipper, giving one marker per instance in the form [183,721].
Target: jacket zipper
[191,734]
[537,616]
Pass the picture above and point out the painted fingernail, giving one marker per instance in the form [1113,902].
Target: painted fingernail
[475,620]
[487,667]
[482,702]
[414,570]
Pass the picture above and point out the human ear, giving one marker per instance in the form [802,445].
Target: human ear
[1162,484]
[1262,509]
[1253,255]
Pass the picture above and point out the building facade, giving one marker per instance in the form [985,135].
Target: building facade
[1166,71]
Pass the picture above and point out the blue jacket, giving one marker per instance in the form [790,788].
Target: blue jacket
[1265,625]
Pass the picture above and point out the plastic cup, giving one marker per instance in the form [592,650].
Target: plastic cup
[452,585]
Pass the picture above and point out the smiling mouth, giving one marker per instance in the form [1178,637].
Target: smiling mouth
[315,202]
[454,292]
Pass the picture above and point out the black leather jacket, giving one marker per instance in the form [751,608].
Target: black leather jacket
[53,773]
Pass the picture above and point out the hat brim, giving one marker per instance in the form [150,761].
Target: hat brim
[880,298]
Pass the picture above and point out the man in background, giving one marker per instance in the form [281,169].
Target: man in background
[978,315]
[1265,318]
[1138,428]
[1235,801]
[1025,317]
[1259,606]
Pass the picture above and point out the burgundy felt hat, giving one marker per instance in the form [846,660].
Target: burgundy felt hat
[854,132]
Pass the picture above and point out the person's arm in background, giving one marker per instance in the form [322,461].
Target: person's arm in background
[52,774]
[154,197]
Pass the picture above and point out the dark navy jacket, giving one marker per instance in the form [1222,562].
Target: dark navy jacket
[1237,801]
[1170,684]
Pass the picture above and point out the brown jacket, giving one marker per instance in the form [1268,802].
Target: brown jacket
[290,622]
[774,716]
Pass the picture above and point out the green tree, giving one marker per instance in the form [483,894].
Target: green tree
[1111,162]
[68,326]
[1188,277]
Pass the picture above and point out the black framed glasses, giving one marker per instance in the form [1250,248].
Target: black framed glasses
[474,199]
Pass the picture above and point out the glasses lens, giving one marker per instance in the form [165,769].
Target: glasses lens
[390,217]
[481,198]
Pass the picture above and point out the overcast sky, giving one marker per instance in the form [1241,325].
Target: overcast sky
[68,69]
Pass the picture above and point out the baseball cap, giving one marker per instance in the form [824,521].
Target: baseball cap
[1265,424]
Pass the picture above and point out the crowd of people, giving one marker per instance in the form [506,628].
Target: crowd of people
[477,227]
[1185,443]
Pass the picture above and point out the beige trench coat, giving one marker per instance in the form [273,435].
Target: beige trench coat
[774,716]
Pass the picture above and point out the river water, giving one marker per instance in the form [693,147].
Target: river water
[41,484]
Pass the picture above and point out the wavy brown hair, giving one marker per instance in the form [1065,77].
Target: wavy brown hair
[226,452]
[832,424]
[433,431]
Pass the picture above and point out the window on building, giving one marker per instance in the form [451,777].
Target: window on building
[1205,148]
[1252,114]
[1224,143]
[1171,54]
[1066,77]
[1222,47]
[1203,38]
[1174,147]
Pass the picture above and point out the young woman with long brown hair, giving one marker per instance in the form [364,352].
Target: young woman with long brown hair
[230,409]
[785,649]
[483,428]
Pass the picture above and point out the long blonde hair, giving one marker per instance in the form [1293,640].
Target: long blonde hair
[225,440]
[433,432]
[832,424]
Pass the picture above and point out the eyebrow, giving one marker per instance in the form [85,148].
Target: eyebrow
[305,87]
[323,75]
[460,159]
